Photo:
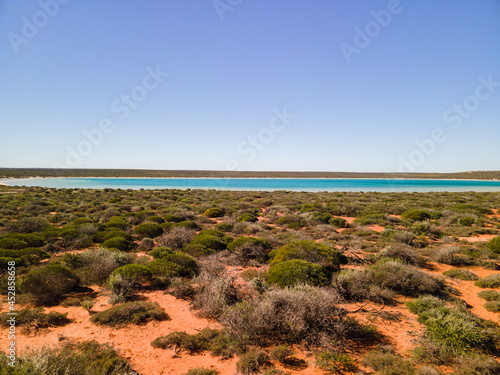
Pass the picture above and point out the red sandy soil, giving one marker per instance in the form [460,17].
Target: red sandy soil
[132,342]
[479,238]
[376,228]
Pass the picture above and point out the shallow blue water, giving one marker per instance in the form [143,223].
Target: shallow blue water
[269,184]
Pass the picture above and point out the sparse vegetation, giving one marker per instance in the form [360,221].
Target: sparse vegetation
[130,313]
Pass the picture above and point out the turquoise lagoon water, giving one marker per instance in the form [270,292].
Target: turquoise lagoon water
[263,184]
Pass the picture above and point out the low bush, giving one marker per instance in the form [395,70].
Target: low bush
[359,285]
[298,314]
[252,361]
[297,271]
[150,230]
[48,284]
[454,327]
[461,274]
[180,288]
[214,212]
[202,371]
[449,255]
[493,306]
[489,295]
[280,353]
[95,266]
[477,365]
[164,268]
[494,245]
[292,221]
[247,218]
[404,278]
[416,215]
[208,242]
[177,238]
[310,251]
[249,249]
[224,227]
[338,222]
[335,363]
[404,253]
[72,358]
[35,318]
[492,281]
[385,362]
[137,312]
[119,243]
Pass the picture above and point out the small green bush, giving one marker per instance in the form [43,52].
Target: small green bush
[297,271]
[117,243]
[461,274]
[494,245]
[137,312]
[338,222]
[492,281]
[310,251]
[48,284]
[72,358]
[493,306]
[416,215]
[35,317]
[164,268]
[150,230]
[247,218]
[335,363]
[251,362]
[466,221]
[385,362]
[214,212]
[224,227]
[202,371]
[280,353]
[489,295]
[477,365]
[208,242]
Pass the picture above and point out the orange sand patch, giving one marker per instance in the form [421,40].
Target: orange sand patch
[131,342]
[479,238]
[376,228]
[401,333]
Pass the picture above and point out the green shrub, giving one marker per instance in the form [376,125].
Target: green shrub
[72,358]
[477,365]
[466,221]
[297,271]
[493,306]
[35,317]
[156,219]
[489,295]
[117,222]
[117,243]
[252,361]
[12,243]
[338,222]
[455,328]
[164,268]
[95,266]
[160,252]
[404,253]
[359,285]
[494,245]
[461,274]
[125,280]
[224,227]
[208,242]
[310,251]
[250,249]
[385,362]
[416,215]
[150,230]
[293,221]
[492,281]
[280,353]
[335,363]
[136,272]
[48,284]
[180,341]
[298,314]
[28,255]
[137,312]
[202,371]
[320,217]
[214,212]
[404,278]
[247,218]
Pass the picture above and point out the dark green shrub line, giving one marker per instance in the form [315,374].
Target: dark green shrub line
[130,313]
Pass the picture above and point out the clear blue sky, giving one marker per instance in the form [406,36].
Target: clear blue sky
[355,103]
